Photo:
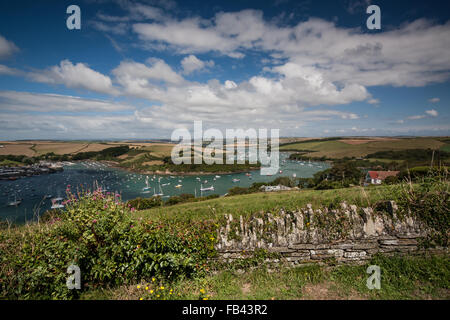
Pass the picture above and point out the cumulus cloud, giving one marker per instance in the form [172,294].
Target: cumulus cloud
[191,63]
[75,76]
[434,100]
[7,48]
[407,56]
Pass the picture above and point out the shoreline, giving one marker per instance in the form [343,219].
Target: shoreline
[114,164]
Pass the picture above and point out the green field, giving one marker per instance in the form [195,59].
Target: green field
[337,149]
[253,203]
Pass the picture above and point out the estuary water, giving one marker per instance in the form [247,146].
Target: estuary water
[36,192]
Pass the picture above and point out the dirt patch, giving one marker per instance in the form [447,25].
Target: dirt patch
[153,163]
[246,288]
[327,291]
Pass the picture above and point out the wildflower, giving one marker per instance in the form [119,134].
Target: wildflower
[141,298]
[162,288]
[151,291]
[94,221]
[202,291]
[146,288]
[205,298]
[133,209]
[153,279]
[139,286]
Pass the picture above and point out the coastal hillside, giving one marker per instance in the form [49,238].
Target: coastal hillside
[172,252]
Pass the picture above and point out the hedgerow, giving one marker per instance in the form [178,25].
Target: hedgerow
[98,233]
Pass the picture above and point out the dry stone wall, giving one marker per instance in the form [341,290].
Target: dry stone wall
[345,234]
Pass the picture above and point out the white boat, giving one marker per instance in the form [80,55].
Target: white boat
[217,177]
[15,203]
[160,194]
[236,180]
[147,188]
[206,189]
[178,186]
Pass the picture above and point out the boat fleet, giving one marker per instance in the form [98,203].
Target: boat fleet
[16,193]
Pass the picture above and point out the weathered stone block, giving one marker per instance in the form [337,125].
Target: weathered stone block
[355,254]
[280,249]
[309,246]
[326,254]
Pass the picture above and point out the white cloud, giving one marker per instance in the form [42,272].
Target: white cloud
[373,101]
[434,100]
[7,48]
[407,56]
[9,71]
[39,102]
[432,113]
[417,117]
[75,76]
[191,63]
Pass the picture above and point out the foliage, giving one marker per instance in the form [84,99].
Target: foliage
[145,203]
[98,233]
[105,154]
[411,154]
[430,202]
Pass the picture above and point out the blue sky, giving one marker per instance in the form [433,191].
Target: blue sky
[141,69]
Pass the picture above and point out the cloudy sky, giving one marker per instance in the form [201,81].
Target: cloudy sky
[140,69]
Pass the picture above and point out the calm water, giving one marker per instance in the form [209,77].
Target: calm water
[84,175]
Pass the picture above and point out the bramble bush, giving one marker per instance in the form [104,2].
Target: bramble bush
[98,232]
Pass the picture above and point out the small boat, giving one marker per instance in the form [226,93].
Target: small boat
[217,177]
[206,189]
[236,180]
[15,203]
[147,187]
[178,186]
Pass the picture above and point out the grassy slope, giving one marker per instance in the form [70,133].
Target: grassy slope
[422,277]
[339,149]
[251,203]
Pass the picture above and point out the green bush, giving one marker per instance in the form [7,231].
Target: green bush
[98,233]
[145,203]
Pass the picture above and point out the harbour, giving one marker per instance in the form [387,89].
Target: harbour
[37,193]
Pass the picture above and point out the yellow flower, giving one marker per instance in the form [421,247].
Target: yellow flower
[162,288]
[141,298]
[205,298]
[151,291]
[170,292]
[146,288]
[153,279]
[157,295]
[139,286]
[202,291]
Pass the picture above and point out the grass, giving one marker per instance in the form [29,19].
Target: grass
[10,163]
[337,149]
[252,203]
[445,148]
[402,278]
